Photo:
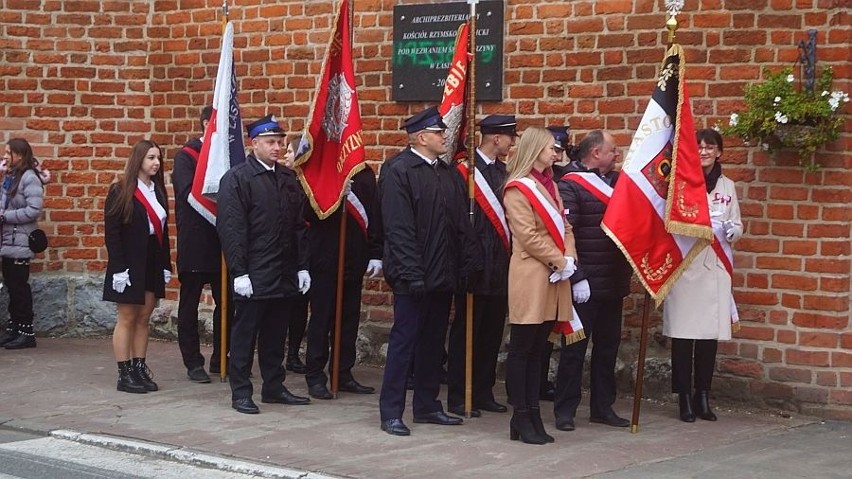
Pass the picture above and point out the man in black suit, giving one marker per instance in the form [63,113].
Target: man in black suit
[198,263]
[490,300]
[262,228]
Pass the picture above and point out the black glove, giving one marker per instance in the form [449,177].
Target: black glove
[417,289]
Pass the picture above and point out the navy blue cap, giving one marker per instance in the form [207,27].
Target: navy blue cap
[560,136]
[266,126]
[428,119]
[499,125]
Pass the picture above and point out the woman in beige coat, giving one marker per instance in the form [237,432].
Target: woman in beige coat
[699,310]
[543,257]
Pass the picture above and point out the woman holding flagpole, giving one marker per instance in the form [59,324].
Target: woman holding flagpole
[700,309]
[139,265]
[543,258]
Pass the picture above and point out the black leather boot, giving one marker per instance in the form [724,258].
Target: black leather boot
[521,426]
[701,403]
[684,401]
[143,374]
[8,336]
[127,380]
[535,417]
[21,342]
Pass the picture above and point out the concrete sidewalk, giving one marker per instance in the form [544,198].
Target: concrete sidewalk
[69,384]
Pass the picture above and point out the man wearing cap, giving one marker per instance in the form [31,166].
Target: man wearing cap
[497,136]
[198,263]
[599,285]
[426,252]
[262,230]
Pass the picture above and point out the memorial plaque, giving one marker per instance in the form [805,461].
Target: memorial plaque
[424,39]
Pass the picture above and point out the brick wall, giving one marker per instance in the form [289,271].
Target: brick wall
[83,80]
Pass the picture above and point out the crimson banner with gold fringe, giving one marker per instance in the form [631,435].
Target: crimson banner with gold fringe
[453,104]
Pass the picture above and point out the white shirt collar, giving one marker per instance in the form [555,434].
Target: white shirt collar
[267,167]
[427,160]
[488,161]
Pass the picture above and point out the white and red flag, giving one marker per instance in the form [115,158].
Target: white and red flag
[453,104]
[658,214]
[222,146]
[332,147]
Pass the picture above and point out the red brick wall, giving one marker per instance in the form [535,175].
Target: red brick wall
[84,80]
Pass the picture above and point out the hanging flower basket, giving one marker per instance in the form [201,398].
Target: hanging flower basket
[780,115]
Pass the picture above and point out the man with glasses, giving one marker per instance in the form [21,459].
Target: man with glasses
[601,282]
[426,228]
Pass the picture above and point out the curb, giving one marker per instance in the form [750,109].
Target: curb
[185,456]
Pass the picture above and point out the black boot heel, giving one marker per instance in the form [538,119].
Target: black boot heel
[684,402]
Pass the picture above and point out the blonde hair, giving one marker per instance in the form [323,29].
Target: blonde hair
[533,141]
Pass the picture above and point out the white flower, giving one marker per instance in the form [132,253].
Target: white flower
[734,119]
[836,97]
[674,6]
[790,78]
[833,103]
[824,93]
[777,100]
[764,146]
[781,118]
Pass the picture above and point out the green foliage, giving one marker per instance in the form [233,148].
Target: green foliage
[779,115]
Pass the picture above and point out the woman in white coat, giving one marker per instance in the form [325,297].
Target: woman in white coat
[699,310]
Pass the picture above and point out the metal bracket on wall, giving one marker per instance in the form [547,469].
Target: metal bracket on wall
[807,58]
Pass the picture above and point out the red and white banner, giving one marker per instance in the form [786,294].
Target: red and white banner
[222,146]
[658,214]
[332,147]
[453,104]
[489,203]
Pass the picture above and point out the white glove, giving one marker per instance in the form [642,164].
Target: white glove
[167,276]
[304,281]
[347,188]
[3,167]
[242,286]
[374,268]
[555,276]
[728,225]
[568,270]
[121,280]
[582,292]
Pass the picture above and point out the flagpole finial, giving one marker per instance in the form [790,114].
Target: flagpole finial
[673,7]
[225,8]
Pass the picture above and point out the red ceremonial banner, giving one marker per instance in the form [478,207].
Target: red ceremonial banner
[658,214]
[332,147]
[453,104]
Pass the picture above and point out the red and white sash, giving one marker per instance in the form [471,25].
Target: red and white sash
[572,330]
[726,256]
[490,204]
[355,208]
[153,217]
[192,153]
[592,183]
[550,216]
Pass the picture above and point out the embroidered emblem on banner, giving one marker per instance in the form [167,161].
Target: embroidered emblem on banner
[337,108]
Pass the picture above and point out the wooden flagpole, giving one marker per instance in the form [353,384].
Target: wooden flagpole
[471,168]
[341,258]
[223,297]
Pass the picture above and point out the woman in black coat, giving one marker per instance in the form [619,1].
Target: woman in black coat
[137,240]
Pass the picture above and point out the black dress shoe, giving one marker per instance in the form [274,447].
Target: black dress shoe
[459,411]
[285,397]
[245,406]
[296,365]
[611,420]
[353,386]
[21,342]
[319,391]
[566,424]
[395,427]
[198,375]
[8,337]
[438,417]
[491,406]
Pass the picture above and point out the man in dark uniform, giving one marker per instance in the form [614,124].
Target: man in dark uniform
[427,233]
[547,390]
[198,263]
[262,229]
[599,285]
[490,300]
[363,254]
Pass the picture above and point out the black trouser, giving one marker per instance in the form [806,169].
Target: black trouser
[16,276]
[321,328]
[602,325]
[418,333]
[266,320]
[191,286]
[298,322]
[523,364]
[546,354]
[489,316]
[689,353]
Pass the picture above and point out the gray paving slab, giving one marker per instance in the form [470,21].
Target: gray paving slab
[69,384]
